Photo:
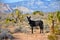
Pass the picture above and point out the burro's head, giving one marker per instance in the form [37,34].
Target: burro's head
[28,17]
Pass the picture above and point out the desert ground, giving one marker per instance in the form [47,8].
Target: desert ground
[29,36]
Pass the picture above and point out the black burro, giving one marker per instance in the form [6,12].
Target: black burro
[33,23]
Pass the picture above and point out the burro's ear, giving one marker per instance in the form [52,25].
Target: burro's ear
[30,17]
[27,16]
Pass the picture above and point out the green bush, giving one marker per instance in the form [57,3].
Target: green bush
[52,37]
[56,29]
[57,32]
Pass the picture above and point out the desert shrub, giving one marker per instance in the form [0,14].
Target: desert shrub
[46,28]
[5,30]
[38,12]
[57,30]
[17,30]
[5,34]
[0,30]
[52,37]
[58,15]
[22,29]
[7,20]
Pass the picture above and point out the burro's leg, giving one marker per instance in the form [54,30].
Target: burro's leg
[32,29]
[41,28]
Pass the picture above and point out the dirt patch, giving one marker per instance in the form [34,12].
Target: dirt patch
[23,36]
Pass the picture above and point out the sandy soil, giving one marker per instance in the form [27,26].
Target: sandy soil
[35,36]
[29,36]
